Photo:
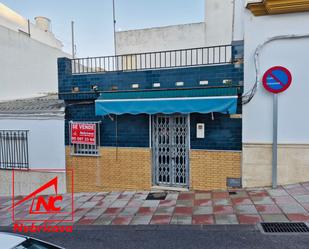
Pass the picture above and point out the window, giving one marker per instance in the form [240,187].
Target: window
[85,138]
[14,149]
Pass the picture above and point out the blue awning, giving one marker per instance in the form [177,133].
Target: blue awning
[168,102]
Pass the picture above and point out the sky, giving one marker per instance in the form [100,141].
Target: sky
[94,20]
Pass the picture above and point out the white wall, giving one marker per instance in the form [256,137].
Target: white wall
[219,21]
[12,20]
[161,38]
[45,141]
[293,54]
[28,67]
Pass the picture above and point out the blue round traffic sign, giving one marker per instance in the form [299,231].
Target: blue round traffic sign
[277,79]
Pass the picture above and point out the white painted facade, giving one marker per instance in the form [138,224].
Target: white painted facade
[46,149]
[293,135]
[28,63]
[45,140]
[220,27]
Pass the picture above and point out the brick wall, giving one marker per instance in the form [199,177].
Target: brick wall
[130,169]
[115,169]
[209,169]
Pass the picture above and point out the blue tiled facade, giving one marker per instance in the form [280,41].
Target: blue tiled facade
[222,133]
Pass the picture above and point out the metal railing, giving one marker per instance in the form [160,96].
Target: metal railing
[154,60]
[14,149]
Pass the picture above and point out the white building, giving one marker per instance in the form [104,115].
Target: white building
[31,127]
[282,39]
[29,55]
[32,143]
[222,25]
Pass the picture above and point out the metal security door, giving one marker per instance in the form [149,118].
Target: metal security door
[170,142]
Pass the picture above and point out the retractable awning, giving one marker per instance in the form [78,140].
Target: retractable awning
[185,101]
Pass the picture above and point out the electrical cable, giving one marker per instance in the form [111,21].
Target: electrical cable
[247,97]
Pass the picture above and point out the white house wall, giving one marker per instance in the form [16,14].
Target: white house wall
[45,141]
[293,135]
[28,67]
[161,38]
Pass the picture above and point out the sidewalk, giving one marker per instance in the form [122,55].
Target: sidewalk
[287,203]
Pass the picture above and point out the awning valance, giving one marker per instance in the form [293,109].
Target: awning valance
[185,101]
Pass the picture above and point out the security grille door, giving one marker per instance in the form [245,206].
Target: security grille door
[171,150]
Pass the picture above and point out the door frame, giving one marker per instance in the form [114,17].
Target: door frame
[153,166]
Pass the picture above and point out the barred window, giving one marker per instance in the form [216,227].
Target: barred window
[14,149]
[84,141]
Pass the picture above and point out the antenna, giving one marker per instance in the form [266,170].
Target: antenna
[114,21]
[73,40]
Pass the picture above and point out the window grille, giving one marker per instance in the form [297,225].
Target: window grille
[79,149]
[14,149]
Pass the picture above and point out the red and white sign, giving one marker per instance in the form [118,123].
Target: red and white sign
[83,133]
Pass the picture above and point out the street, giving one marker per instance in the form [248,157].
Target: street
[170,237]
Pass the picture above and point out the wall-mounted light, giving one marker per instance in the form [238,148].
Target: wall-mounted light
[203,82]
[75,89]
[156,85]
[135,86]
[179,83]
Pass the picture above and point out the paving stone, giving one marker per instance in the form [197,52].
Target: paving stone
[225,219]
[119,203]
[89,204]
[262,200]
[104,220]
[223,210]
[298,191]
[249,218]
[292,208]
[186,196]
[152,203]
[181,220]
[113,211]
[221,202]
[203,202]
[146,211]
[184,203]
[203,210]
[277,192]
[199,196]
[220,195]
[164,210]
[268,209]
[141,220]
[245,209]
[305,206]
[302,198]
[183,210]
[239,194]
[284,200]
[167,203]
[242,201]
[172,196]
[274,218]
[135,203]
[161,219]
[129,211]
[125,220]
[298,217]
[203,219]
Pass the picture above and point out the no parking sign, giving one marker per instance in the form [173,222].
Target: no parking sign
[277,79]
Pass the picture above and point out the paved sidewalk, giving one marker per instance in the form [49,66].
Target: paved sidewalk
[287,203]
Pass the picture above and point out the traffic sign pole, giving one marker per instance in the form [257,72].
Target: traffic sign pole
[275,141]
[276,80]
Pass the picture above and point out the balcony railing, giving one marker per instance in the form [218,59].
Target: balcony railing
[154,60]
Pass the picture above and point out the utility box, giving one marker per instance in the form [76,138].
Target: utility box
[200,130]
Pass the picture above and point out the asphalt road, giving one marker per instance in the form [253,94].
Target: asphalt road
[170,237]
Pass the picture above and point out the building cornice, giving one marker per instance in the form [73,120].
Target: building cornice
[272,7]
